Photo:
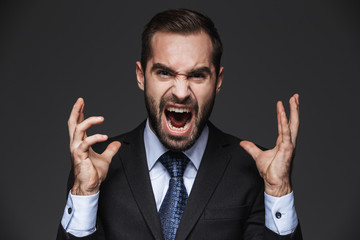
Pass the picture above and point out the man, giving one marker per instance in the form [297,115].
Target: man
[177,175]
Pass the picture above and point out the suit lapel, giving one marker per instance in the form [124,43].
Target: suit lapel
[136,170]
[212,167]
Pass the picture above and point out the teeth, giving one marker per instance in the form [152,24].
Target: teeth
[178,129]
[178,110]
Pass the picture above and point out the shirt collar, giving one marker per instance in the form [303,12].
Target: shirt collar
[154,148]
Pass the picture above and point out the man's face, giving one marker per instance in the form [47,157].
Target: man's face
[180,85]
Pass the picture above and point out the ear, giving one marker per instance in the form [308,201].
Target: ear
[140,75]
[219,80]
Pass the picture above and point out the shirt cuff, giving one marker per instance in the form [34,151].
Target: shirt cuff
[79,216]
[280,214]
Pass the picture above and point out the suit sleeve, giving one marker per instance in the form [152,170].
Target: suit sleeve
[98,234]
[63,235]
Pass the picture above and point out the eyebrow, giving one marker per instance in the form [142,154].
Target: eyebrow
[160,66]
[157,66]
[200,70]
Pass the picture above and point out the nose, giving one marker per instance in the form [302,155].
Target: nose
[180,88]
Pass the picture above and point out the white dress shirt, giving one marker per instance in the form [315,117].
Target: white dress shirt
[80,212]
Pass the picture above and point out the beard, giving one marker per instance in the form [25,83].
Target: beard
[172,142]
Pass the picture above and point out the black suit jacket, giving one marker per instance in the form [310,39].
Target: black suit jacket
[226,200]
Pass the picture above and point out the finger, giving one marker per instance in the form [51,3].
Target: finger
[286,136]
[279,110]
[111,150]
[81,117]
[74,116]
[294,117]
[251,148]
[297,98]
[278,141]
[91,140]
[79,133]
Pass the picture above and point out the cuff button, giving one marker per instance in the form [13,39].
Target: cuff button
[69,210]
[278,215]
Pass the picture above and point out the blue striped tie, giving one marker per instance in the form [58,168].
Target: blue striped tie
[176,196]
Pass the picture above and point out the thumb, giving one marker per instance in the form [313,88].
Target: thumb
[111,149]
[251,149]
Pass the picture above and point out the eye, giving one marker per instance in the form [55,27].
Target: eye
[198,76]
[163,74]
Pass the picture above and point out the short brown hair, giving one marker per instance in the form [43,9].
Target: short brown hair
[181,21]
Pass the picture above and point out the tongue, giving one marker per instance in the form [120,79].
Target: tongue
[178,119]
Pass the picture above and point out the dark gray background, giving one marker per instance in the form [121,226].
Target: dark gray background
[53,52]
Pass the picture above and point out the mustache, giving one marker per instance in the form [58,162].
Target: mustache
[187,101]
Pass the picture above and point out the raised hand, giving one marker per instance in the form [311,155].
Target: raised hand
[274,165]
[90,168]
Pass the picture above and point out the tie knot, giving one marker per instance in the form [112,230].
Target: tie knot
[174,162]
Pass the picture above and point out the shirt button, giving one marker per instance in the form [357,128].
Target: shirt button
[69,210]
[278,215]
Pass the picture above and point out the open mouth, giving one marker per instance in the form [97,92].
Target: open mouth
[178,119]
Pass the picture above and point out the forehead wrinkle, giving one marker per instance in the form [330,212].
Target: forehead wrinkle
[182,52]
